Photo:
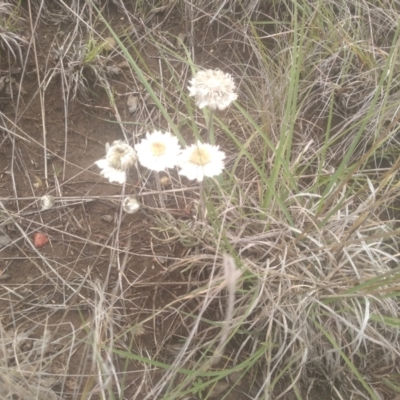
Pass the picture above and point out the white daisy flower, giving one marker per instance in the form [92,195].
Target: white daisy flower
[158,151]
[200,160]
[213,88]
[119,158]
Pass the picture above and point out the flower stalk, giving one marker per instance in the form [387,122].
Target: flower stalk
[210,128]
[160,191]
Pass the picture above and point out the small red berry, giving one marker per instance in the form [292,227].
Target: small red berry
[40,239]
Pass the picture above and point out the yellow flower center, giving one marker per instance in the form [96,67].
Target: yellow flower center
[200,157]
[157,148]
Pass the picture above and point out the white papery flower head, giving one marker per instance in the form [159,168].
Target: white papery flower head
[158,151]
[47,202]
[200,160]
[213,88]
[119,158]
[131,205]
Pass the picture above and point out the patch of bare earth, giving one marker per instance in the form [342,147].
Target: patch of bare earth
[99,264]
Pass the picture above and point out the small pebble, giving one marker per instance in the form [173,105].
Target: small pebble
[4,240]
[124,64]
[132,103]
[107,218]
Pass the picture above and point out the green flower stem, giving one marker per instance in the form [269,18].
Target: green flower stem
[202,201]
[210,127]
[160,192]
[158,183]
